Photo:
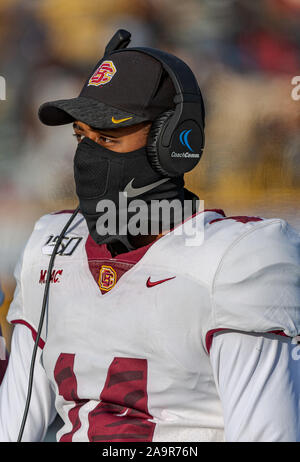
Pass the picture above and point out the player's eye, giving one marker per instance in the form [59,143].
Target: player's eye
[105,140]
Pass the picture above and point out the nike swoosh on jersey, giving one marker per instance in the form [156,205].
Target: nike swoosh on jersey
[133,192]
[118,121]
[154,283]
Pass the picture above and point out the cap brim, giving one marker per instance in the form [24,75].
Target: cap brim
[87,110]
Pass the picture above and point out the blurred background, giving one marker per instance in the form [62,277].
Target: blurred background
[244,53]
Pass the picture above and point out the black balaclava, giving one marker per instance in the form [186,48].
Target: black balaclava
[101,174]
[127,87]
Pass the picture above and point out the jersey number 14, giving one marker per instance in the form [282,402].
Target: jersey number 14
[122,413]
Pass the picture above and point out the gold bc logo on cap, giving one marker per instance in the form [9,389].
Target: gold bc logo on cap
[103,74]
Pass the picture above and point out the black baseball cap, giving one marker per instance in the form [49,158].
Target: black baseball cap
[124,88]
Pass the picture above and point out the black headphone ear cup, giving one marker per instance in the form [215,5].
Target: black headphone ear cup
[152,143]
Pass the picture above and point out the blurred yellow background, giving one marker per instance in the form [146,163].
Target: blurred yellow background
[244,54]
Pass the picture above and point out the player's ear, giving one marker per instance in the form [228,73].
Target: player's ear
[152,143]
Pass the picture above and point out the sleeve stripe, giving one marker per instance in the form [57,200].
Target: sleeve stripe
[277,332]
[241,219]
[33,331]
[209,338]
[210,334]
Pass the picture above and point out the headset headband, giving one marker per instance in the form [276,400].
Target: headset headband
[183,125]
[182,77]
[185,84]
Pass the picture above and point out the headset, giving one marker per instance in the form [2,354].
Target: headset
[176,139]
[174,146]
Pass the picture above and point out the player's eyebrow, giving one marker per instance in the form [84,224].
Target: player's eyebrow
[108,134]
[102,132]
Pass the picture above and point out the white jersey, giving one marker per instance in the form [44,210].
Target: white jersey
[130,362]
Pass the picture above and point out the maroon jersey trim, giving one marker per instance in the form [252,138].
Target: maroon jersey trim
[210,334]
[98,256]
[3,362]
[241,219]
[3,367]
[219,211]
[33,331]
[209,338]
[100,252]
[97,252]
